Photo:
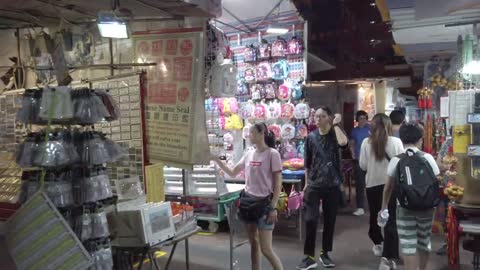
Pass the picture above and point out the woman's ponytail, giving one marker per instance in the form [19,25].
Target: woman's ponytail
[270,139]
[268,136]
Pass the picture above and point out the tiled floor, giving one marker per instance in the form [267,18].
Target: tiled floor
[352,250]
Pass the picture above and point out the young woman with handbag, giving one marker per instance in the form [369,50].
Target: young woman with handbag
[258,201]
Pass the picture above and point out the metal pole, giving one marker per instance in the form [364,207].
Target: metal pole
[268,14]
[238,19]
[110,47]
[187,254]
[185,199]
[234,27]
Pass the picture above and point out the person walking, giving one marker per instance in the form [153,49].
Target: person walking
[258,201]
[323,172]
[413,176]
[375,153]
[359,133]
[397,117]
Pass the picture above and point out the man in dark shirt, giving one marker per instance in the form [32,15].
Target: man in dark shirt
[323,171]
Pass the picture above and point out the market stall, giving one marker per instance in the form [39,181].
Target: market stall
[460,182]
[81,137]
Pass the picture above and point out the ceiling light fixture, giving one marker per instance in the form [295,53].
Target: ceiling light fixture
[373,4]
[277,29]
[110,26]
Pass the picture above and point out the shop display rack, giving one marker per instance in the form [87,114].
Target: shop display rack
[66,160]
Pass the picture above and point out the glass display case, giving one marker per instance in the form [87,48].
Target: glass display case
[205,189]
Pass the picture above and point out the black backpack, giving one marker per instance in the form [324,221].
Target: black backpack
[416,186]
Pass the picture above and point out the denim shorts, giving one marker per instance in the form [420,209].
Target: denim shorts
[262,223]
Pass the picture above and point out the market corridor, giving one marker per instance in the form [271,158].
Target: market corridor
[352,250]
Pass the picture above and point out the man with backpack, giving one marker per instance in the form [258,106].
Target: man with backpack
[412,176]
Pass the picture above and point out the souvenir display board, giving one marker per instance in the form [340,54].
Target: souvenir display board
[126,131]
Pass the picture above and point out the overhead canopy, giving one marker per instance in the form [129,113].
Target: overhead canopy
[26,13]
[426,29]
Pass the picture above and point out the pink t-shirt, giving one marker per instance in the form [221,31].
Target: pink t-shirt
[259,168]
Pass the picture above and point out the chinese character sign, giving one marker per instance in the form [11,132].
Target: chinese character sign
[174,91]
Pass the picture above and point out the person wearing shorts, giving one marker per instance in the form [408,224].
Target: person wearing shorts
[263,184]
[414,227]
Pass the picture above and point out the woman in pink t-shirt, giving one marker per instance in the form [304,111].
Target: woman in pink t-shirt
[263,184]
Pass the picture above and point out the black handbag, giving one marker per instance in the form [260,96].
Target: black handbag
[251,208]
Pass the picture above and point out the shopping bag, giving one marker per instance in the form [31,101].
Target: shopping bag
[295,199]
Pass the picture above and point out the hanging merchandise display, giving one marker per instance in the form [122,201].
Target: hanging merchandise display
[279,47]
[280,70]
[295,46]
[264,71]
[67,163]
[264,50]
[250,54]
[425,96]
[222,79]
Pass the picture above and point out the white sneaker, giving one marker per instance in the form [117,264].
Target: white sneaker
[359,212]
[385,264]
[377,250]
